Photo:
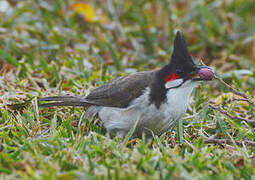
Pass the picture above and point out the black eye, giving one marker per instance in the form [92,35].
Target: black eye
[179,71]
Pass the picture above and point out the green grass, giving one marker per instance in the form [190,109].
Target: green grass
[48,49]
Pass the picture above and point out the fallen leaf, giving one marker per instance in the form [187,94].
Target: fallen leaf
[239,163]
[229,96]
[89,13]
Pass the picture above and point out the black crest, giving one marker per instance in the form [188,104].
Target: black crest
[181,58]
[181,61]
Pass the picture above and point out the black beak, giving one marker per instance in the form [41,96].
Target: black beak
[202,73]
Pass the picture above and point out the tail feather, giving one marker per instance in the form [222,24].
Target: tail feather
[61,98]
[64,101]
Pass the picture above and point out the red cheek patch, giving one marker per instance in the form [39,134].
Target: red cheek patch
[171,77]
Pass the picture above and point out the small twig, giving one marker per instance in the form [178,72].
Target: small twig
[230,116]
[37,113]
[236,92]
[237,99]
[189,144]
[228,141]
[7,126]
[41,134]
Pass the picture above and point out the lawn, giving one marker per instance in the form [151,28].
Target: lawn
[70,47]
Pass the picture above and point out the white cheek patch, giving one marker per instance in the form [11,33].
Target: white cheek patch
[173,83]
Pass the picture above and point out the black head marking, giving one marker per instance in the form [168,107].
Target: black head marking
[181,63]
[158,91]
[181,59]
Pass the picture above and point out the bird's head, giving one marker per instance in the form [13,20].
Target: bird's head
[182,70]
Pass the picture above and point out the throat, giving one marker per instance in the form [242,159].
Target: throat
[165,93]
[179,98]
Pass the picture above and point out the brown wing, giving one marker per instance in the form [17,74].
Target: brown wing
[120,91]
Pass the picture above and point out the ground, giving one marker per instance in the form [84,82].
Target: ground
[70,47]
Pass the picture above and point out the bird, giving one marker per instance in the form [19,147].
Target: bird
[150,101]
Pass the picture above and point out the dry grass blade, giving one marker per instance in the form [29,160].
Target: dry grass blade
[246,98]
[252,121]
[228,141]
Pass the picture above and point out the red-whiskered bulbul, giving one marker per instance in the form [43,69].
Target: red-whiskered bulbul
[153,100]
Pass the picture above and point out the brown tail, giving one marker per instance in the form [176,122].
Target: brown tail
[63,101]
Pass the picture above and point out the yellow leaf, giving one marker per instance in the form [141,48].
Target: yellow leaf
[223,97]
[86,10]
[89,13]
[229,96]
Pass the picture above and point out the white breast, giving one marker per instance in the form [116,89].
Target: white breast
[149,118]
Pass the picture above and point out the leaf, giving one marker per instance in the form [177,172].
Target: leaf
[130,134]
[229,96]
[114,56]
[239,73]
[43,63]
[88,12]
[239,163]
[180,131]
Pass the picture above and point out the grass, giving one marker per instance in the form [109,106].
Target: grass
[46,48]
